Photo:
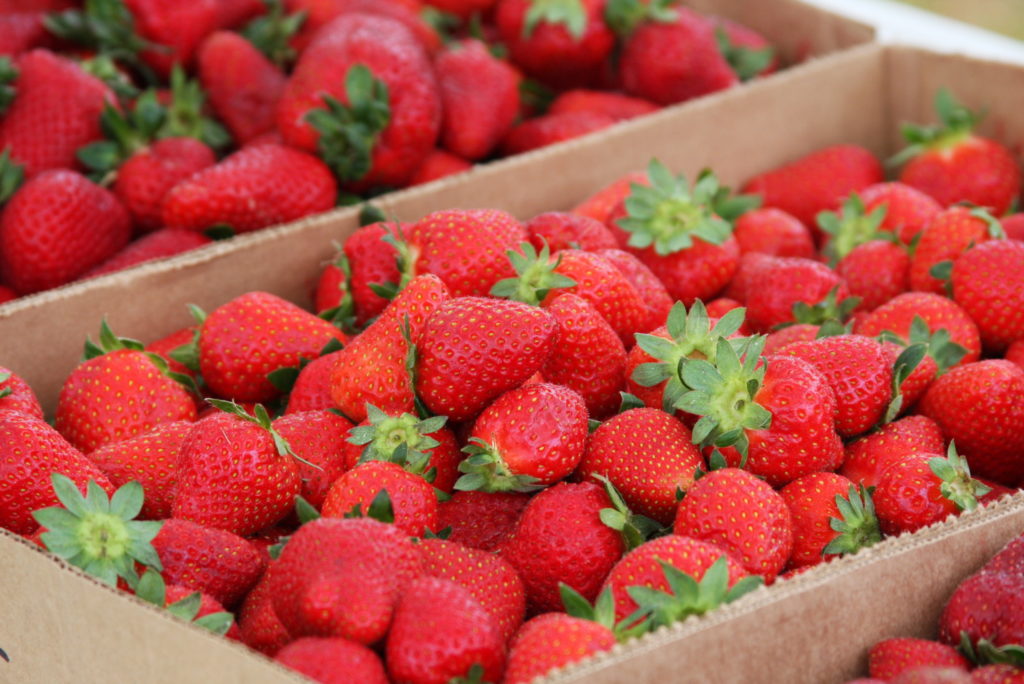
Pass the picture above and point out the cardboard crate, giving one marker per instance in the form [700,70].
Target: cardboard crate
[57,625]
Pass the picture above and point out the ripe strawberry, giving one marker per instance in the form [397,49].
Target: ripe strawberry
[988,282]
[318,438]
[56,110]
[412,500]
[438,164]
[16,395]
[165,23]
[462,366]
[793,281]
[779,339]
[159,244]
[232,13]
[773,232]
[648,456]
[875,272]
[549,129]
[319,13]
[165,345]
[560,230]
[618,106]
[256,187]
[150,458]
[976,405]
[818,181]
[30,451]
[243,85]
[45,244]
[933,675]
[987,605]
[1010,558]
[889,658]
[480,98]
[342,578]
[600,205]
[228,461]
[1013,226]
[944,240]
[952,164]
[560,537]
[997,674]
[260,627]
[907,210]
[489,579]
[869,456]
[325,659]
[554,640]
[711,508]
[22,31]
[830,517]
[372,262]
[897,317]
[363,95]
[748,52]
[440,632]
[1015,353]
[481,520]
[563,46]
[7,294]
[652,290]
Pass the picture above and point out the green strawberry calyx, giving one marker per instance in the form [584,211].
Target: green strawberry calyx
[537,275]
[692,336]
[957,485]
[404,439]
[957,125]
[568,13]
[831,310]
[109,342]
[850,227]
[634,528]
[485,470]
[602,611]
[99,534]
[625,16]
[987,653]
[904,365]
[8,75]
[686,596]
[343,316]
[380,509]
[349,132]
[857,525]
[152,589]
[745,61]
[12,175]
[5,391]
[273,31]
[261,418]
[724,394]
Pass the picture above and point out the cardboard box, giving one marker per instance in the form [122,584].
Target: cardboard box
[56,624]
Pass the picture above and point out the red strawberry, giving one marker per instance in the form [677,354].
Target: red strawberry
[648,456]
[889,658]
[325,659]
[988,282]
[151,459]
[549,129]
[16,395]
[652,290]
[7,294]
[620,107]
[55,111]
[775,286]
[1013,226]
[779,339]
[1015,353]
[413,501]
[713,507]
[242,84]
[817,181]
[231,13]
[560,537]
[875,271]
[490,580]
[869,456]
[561,230]
[997,674]
[159,244]
[167,24]
[897,316]
[260,627]
[439,164]
[371,261]
[554,640]
[256,187]
[321,12]
[977,406]
[986,605]
[907,210]
[342,578]
[773,232]
[464,9]
[318,438]
[45,243]
[165,345]
[366,79]
[944,240]
[22,31]
[30,451]
[481,520]
[462,366]
[952,164]
[312,388]
[599,206]
[228,461]
[441,632]
[747,51]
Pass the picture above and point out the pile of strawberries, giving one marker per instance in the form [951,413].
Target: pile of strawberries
[981,633]
[504,446]
[137,129]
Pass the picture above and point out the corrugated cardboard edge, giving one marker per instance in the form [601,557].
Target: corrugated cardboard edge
[769,619]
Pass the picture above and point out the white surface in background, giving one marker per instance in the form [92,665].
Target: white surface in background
[899,23]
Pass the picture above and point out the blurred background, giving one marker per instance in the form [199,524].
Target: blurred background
[1002,16]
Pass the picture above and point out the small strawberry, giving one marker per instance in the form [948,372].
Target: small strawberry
[830,517]
[907,210]
[867,457]
[319,13]
[944,240]
[187,604]
[438,164]
[318,438]
[260,627]
[159,244]
[889,658]
[1013,226]
[775,287]
[600,205]
[897,316]
[165,346]
[560,230]
[412,500]
[541,131]
[372,263]
[16,395]
[620,107]
[330,659]
[481,520]
[554,640]
[652,290]
[773,232]
[875,272]
[988,282]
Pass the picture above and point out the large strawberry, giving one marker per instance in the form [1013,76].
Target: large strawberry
[830,517]
[319,439]
[944,240]
[652,290]
[554,640]
[869,456]
[897,317]
[889,658]
[988,282]
[327,659]
[907,210]
[795,283]
[561,230]
[774,232]
[411,500]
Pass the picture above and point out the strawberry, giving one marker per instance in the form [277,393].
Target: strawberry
[648,456]
[438,164]
[7,294]
[747,51]
[481,520]
[562,45]
[618,106]
[554,640]
[364,96]
[318,438]
[600,205]
[22,31]
[319,13]
[243,85]
[1009,560]
[150,458]
[875,272]
[342,578]
[312,388]
[166,345]
[504,456]
[560,537]
[778,340]
[462,367]
[890,657]
[773,232]
[463,9]
[55,110]
[16,395]
[932,675]
[412,500]
[762,543]
[986,606]
[480,98]
[440,632]
[260,627]
[228,460]
[560,230]
[869,456]
[256,187]
[549,129]
[232,13]
[988,282]
[45,244]
[30,451]
[976,405]
[159,244]
[327,659]
[1013,226]
[818,181]
[997,674]
[372,263]
[830,517]
[1015,353]
[794,282]
[898,314]
[944,240]
[491,581]
[652,290]
[952,164]
[907,210]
